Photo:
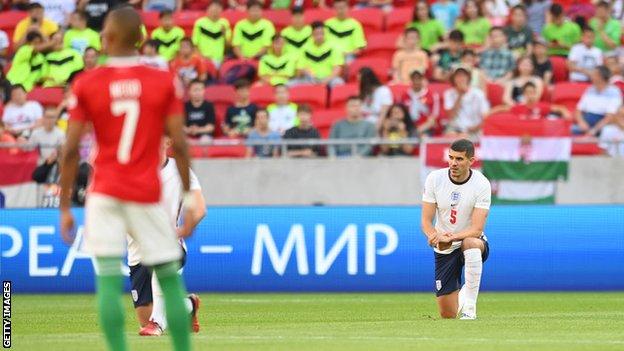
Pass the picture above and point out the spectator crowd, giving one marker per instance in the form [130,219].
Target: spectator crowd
[443,70]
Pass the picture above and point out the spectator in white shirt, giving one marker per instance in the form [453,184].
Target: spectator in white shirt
[598,104]
[48,138]
[376,97]
[282,113]
[465,106]
[584,57]
[612,135]
[20,115]
[58,10]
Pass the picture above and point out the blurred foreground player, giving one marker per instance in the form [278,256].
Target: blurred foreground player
[146,292]
[130,107]
[459,198]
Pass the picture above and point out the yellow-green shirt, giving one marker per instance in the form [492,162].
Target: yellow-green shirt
[296,39]
[253,37]
[60,66]
[80,40]
[279,68]
[169,41]
[211,37]
[568,34]
[321,60]
[475,32]
[27,68]
[347,34]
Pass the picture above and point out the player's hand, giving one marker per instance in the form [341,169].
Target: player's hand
[445,238]
[67,227]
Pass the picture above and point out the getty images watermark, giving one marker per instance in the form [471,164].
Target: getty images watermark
[6,314]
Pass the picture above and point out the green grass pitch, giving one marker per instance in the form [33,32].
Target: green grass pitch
[507,321]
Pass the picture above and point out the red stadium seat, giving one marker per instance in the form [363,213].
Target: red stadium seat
[560,69]
[221,96]
[150,19]
[10,19]
[280,18]
[262,95]
[324,119]
[398,18]
[586,149]
[186,19]
[380,45]
[318,14]
[229,151]
[46,96]
[229,64]
[339,94]
[372,19]
[620,85]
[313,95]
[380,66]
[233,16]
[495,94]
[568,94]
[398,90]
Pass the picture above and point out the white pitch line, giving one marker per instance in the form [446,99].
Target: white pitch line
[216,249]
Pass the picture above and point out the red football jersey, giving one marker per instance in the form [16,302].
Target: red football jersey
[127,103]
[537,111]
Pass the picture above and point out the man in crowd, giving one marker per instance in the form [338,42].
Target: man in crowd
[352,127]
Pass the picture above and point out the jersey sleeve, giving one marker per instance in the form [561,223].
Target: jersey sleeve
[429,190]
[484,196]
[194,182]
[75,104]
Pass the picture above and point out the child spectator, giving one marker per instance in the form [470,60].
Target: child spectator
[80,37]
[200,113]
[560,33]
[408,59]
[523,74]
[90,58]
[469,61]
[473,24]
[607,29]
[277,67]
[261,132]
[446,11]
[584,57]
[305,130]
[465,106]
[168,36]
[297,34]
[212,33]
[541,62]
[48,137]
[497,61]
[346,32]
[395,127]
[21,116]
[448,57]
[282,113]
[62,63]
[28,63]
[423,105]
[598,104]
[519,34]
[352,127]
[188,65]
[430,29]
[376,97]
[252,36]
[151,57]
[239,118]
[321,62]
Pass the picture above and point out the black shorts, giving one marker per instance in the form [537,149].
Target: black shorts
[448,269]
[141,282]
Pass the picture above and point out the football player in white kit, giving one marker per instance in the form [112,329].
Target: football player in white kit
[145,290]
[459,198]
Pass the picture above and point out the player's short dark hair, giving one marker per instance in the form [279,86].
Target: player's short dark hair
[354,98]
[304,108]
[556,10]
[317,24]
[297,10]
[253,3]
[33,35]
[456,35]
[164,13]
[17,86]
[81,14]
[241,84]
[528,85]
[197,81]
[464,145]
[35,5]
[411,30]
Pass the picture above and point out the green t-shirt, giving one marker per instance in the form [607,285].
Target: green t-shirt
[280,68]
[60,66]
[348,34]
[211,37]
[430,32]
[296,39]
[80,40]
[27,67]
[169,41]
[253,37]
[322,59]
[280,4]
[475,32]
[613,30]
[568,34]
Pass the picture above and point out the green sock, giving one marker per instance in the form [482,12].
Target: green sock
[109,289]
[178,318]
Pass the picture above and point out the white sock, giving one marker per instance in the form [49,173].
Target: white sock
[158,307]
[189,305]
[461,299]
[472,272]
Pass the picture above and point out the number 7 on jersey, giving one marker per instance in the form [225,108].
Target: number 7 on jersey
[131,109]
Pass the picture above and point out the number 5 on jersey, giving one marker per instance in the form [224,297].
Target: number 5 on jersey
[129,108]
[453,218]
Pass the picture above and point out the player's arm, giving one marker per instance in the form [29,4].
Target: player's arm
[479,216]
[426,221]
[196,214]
[69,170]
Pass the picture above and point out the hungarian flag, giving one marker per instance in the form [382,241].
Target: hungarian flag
[16,186]
[525,158]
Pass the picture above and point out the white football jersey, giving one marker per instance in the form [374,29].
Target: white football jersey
[456,201]
[170,199]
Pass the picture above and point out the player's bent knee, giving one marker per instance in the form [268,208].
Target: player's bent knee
[471,243]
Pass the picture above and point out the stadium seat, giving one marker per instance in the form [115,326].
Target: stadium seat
[228,151]
[372,19]
[398,18]
[221,96]
[280,18]
[150,19]
[313,95]
[568,94]
[46,96]
[380,66]
[229,64]
[620,85]
[586,148]
[380,45]
[560,69]
[398,90]
[318,14]
[10,19]
[495,94]
[339,94]
[262,95]
[324,119]
[233,16]
[186,19]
